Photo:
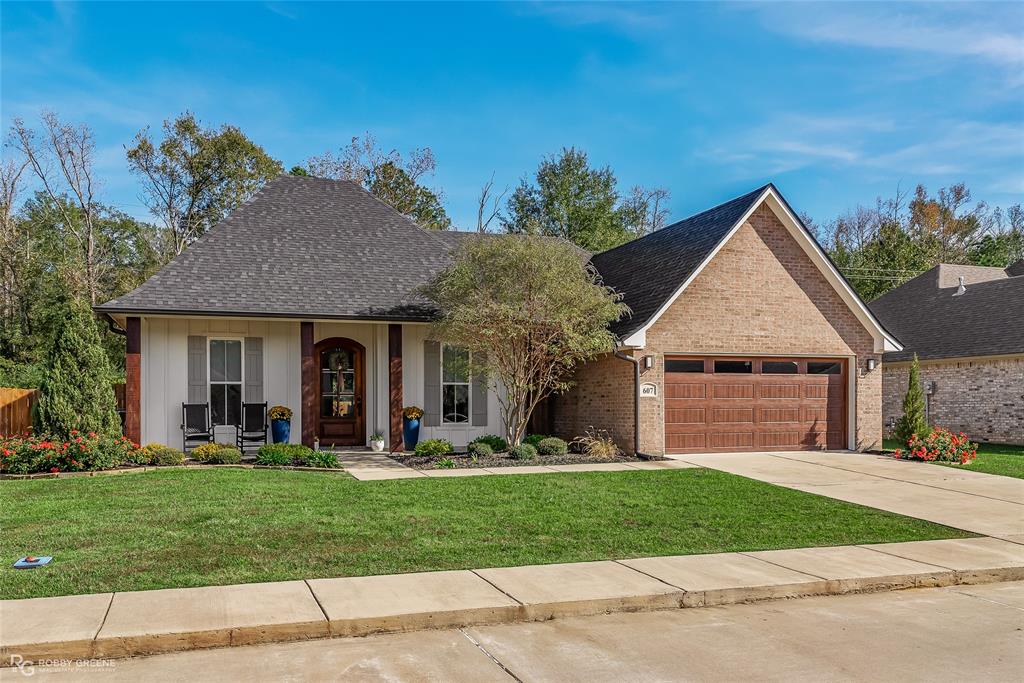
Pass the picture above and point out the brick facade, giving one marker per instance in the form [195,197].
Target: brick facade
[760,295]
[983,398]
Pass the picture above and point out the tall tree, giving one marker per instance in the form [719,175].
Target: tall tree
[529,311]
[195,176]
[645,210]
[913,420]
[389,176]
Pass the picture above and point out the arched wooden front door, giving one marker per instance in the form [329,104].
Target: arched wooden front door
[341,403]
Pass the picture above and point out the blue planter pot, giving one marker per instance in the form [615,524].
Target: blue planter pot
[410,433]
[280,430]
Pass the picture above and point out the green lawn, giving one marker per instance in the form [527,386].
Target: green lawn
[195,528]
[993,458]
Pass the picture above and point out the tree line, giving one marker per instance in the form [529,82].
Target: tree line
[62,245]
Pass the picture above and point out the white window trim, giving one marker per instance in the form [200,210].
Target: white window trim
[209,373]
[469,392]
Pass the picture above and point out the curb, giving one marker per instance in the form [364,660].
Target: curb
[513,610]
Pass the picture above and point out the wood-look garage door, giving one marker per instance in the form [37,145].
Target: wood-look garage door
[754,404]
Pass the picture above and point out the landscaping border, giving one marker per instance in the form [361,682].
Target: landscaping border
[157,468]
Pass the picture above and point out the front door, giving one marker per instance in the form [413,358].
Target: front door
[340,390]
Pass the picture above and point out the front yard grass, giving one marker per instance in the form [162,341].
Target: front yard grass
[193,528]
[993,458]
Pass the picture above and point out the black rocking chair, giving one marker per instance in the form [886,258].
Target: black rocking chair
[195,425]
[253,430]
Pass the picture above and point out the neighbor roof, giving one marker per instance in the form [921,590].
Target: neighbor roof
[301,247]
[933,323]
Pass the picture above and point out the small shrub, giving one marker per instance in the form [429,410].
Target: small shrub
[167,456]
[552,446]
[432,447]
[323,459]
[496,443]
[444,464]
[940,444]
[597,444]
[204,452]
[480,449]
[268,455]
[534,439]
[523,451]
[145,455]
[226,456]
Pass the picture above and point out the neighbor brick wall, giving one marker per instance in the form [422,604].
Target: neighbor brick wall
[983,398]
[760,295]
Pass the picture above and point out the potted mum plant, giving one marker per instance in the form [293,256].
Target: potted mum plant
[280,423]
[411,417]
[377,442]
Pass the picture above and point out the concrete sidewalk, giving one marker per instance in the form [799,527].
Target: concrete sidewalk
[117,625]
[986,504]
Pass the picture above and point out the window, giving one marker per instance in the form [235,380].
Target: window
[734,366]
[684,366]
[824,368]
[337,383]
[225,381]
[778,367]
[454,385]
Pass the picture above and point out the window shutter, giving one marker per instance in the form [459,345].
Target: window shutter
[432,383]
[253,370]
[479,390]
[197,387]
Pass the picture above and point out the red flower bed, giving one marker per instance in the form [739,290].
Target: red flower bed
[942,445]
[81,452]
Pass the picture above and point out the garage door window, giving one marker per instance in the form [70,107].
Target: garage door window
[684,366]
[779,367]
[734,366]
[824,368]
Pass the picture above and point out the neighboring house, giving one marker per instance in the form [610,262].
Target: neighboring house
[745,334]
[966,325]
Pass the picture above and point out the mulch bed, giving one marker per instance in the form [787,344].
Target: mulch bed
[418,462]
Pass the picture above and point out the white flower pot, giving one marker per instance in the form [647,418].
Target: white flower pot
[377,446]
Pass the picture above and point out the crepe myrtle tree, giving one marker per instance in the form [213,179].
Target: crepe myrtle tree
[529,310]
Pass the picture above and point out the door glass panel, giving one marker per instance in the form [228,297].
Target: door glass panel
[824,368]
[734,366]
[778,367]
[337,383]
[684,366]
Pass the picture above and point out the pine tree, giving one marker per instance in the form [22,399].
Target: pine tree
[913,420]
[76,392]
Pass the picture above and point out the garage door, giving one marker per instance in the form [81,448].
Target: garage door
[754,404]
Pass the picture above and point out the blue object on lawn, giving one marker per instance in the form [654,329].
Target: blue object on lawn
[23,563]
[281,430]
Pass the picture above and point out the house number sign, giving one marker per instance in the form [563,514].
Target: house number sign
[649,390]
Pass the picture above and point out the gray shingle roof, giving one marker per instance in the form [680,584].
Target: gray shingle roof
[988,319]
[302,247]
[649,270]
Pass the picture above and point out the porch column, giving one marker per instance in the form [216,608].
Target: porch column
[133,380]
[308,410]
[395,398]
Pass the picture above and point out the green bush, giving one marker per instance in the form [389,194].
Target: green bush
[167,456]
[552,446]
[282,454]
[497,444]
[432,447]
[226,456]
[480,449]
[324,459]
[444,464]
[205,452]
[912,422]
[534,439]
[523,451]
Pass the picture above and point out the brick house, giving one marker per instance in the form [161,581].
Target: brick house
[743,335]
[966,325]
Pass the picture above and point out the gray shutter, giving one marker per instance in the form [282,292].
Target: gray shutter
[253,370]
[197,387]
[432,383]
[479,392]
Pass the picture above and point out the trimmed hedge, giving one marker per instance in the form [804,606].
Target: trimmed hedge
[523,451]
[432,447]
[552,446]
[496,443]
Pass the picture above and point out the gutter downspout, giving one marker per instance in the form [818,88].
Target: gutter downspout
[112,326]
[636,397]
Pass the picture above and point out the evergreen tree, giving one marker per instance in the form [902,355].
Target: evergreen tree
[76,392]
[913,420]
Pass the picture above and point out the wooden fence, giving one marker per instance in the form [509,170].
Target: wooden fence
[16,408]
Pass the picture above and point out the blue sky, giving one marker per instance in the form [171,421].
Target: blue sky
[836,103]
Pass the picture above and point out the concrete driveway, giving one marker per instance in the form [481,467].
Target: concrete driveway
[983,503]
[971,633]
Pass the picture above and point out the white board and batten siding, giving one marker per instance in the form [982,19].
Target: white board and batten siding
[165,374]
